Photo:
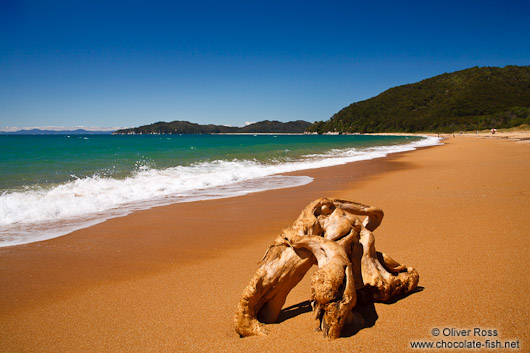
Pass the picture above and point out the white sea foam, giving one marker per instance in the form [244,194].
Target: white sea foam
[34,215]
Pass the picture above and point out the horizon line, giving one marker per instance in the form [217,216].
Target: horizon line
[59,128]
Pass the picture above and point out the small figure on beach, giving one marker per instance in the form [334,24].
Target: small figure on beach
[327,233]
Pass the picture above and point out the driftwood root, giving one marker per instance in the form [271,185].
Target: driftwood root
[327,233]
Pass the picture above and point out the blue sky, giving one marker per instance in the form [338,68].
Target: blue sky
[129,63]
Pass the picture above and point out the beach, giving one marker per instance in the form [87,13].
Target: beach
[168,279]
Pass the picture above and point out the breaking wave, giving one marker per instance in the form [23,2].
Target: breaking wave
[42,213]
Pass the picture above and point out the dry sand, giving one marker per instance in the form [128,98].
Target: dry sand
[169,279]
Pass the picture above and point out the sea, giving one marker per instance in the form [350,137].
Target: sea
[51,185]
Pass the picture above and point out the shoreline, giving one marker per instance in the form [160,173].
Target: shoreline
[52,218]
[114,231]
[519,136]
[169,278]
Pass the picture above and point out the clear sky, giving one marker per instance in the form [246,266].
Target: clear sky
[129,63]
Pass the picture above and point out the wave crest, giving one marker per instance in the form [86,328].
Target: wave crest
[32,215]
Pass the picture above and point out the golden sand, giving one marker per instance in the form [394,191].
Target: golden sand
[169,279]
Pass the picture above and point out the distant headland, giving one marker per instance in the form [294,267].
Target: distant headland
[185,127]
[478,98]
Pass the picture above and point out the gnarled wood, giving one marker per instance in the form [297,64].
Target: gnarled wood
[332,285]
[329,234]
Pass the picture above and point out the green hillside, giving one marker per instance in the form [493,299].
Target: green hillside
[268,126]
[472,99]
[185,127]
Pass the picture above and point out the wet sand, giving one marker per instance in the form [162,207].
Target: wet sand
[169,279]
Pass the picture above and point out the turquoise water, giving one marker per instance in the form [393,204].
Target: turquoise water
[27,161]
[50,185]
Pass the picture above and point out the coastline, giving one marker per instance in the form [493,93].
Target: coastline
[73,201]
[516,135]
[169,278]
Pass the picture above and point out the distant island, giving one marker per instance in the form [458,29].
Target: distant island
[472,99]
[55,132]
[185,127]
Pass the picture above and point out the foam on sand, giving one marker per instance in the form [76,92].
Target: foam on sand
[43,213]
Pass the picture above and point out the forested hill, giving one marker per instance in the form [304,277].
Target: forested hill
[476,98]
[185,127]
